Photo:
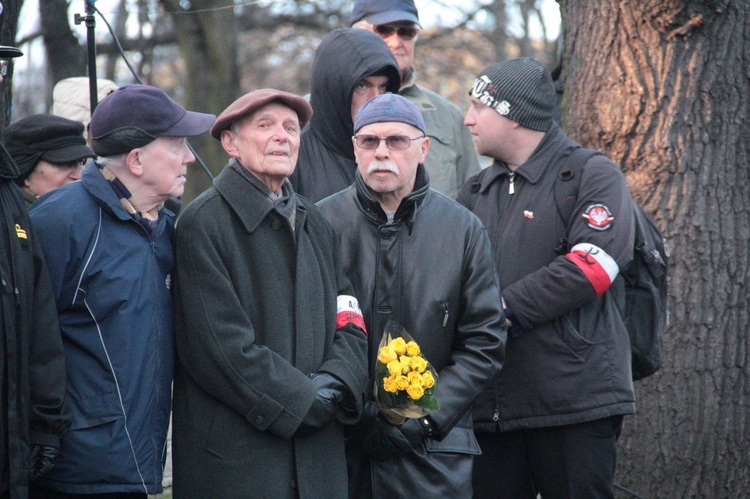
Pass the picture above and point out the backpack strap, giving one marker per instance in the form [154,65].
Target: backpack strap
[567,185]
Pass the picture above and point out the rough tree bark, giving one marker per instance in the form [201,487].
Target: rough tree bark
[663,87]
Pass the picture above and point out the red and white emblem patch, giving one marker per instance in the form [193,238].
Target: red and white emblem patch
[598,216]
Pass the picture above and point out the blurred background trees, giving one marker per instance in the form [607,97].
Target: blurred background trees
[206,53]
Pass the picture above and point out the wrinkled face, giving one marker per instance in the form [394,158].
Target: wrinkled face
[366,89]
[401,42]
[266,143]
[48,176]
[165,163]
[489,130]
[388,171]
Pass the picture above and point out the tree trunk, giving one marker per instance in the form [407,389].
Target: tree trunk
[208,43]
[8,29]
[662,87]
[66,56]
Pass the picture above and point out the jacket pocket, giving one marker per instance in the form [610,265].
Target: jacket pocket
[457,441]
[95,411]
[572,338]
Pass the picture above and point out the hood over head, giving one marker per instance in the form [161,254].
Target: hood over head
[343,58]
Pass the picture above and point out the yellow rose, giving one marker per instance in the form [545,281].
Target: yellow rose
[412,349]
[415,392]
[415,378]
[405,364]
[394,367]
[418,364]
[398,345]
[402,382]
[389,384]
[427,380]
[386,354]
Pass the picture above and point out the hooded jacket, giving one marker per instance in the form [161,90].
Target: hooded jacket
[570,363]
[33,409]
[443,291]
[112,282]
[326,157]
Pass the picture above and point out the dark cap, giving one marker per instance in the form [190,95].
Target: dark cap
[519,89]
[135,115]
[252,101]
[6,51]
[388,108]
[385,11]
[47,137]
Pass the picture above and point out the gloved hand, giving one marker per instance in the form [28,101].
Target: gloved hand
[414,431]
[41,460]
[323,409]
[379,438]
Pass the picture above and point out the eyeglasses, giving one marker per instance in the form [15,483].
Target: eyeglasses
[404,32]
[392,142]
[4,67]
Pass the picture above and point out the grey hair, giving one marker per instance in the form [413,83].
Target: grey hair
[112,161]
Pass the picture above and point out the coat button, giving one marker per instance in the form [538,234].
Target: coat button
[276,224]
[258,420]
[293,484]
[387,234]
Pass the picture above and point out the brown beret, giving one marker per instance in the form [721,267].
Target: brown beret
[252,101]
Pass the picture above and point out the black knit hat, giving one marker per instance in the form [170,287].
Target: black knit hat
[44,136]
[519,89]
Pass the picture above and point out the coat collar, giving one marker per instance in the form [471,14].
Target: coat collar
[409,206]
[553,143]
[250,205]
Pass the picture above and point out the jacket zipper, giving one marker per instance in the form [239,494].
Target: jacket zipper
[445,315]
[511,185]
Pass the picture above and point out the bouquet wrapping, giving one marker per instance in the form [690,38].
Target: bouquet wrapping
[404,380]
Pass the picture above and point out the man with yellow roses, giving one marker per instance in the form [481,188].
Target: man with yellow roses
[416,257]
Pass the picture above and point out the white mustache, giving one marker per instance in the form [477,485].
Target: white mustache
[379,165]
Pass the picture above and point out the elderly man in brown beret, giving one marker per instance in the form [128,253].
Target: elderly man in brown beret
[271,346]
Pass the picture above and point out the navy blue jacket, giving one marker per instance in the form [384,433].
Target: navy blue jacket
[112,286]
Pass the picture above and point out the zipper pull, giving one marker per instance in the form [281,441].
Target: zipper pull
[512,185]
[445,316]
[496,415]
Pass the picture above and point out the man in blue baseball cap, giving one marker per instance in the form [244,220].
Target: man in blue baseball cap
[108,243]
[442,290]
[452,158]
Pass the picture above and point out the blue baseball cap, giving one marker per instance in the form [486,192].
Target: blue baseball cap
[134,115]
[385,11]
[388,108]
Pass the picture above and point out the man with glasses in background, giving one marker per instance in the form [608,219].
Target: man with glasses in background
[441,290]
[452,158]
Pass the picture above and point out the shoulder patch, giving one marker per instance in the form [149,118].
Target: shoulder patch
[598,216]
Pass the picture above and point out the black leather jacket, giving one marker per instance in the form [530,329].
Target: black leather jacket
[431,271]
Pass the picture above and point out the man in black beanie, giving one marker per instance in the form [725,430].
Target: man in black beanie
[33,413]
[49,151]
[549,422]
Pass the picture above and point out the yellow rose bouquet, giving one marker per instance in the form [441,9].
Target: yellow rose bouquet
[404,380]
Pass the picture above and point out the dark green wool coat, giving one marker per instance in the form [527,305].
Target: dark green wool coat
[256,312]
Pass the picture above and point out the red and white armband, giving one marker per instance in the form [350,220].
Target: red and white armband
[598,267]
[348,311]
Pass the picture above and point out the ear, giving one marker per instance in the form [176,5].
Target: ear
[133,162]
[425,148]
[227,142]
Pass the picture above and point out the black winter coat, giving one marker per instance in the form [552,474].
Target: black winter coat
[32,363]
[256,313]
[571,363]
[326,154]
[431,271]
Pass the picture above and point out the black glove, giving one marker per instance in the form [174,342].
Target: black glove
[377,437]
[42,460]
[415,431]
[323,409]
